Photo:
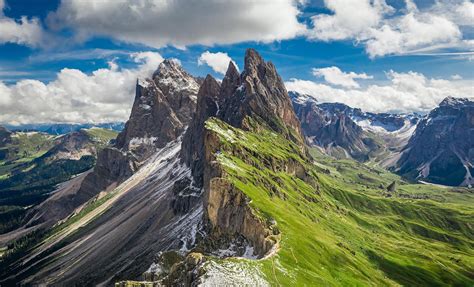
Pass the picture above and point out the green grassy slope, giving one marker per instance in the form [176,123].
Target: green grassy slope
[24,148]
[27,178]
[100,135]
[347,230]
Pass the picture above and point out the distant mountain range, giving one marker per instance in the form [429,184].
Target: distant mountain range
[63,128]
[441,149]
[437,147]
[32,164]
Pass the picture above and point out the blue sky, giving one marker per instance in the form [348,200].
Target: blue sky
[325,49]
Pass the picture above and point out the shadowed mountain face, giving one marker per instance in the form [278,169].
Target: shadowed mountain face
[442,147]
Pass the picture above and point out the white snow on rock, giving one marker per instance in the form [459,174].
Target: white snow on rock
[136,142]
[171,75]
[145,106]
[144,83]
[227,273]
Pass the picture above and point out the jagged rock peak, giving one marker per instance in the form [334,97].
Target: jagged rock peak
[231,80]
[170,76]
[265,95]
[252,59]
[163,107]
[232,71]
[455,102]
[209,84]
[167,66]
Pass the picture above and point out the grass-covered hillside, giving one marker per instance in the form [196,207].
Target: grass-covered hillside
[34,163]
[344,223]
[23,148]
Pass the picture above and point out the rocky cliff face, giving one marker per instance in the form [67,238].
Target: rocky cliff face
[193,141]
[162,109]
[442,147]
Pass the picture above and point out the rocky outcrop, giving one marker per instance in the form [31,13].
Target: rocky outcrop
[442,147]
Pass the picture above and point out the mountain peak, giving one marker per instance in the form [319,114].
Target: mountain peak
[231,72]
[171,78]
[252,59]
[455,102]
[170,64]
[259,93]
[231,80]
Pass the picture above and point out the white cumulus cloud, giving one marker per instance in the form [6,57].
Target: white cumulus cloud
[374,24]
[412,32]
[23,31]
[105,95]
[404,92]
[180,23]
[350,19]
[217,61]
[335,76]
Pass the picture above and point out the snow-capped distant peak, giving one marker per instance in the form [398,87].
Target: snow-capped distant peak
[301,98]
[452,101]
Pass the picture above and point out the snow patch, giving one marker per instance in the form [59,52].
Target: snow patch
[145,106]
[136,142]
[232,274]
[145,83]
